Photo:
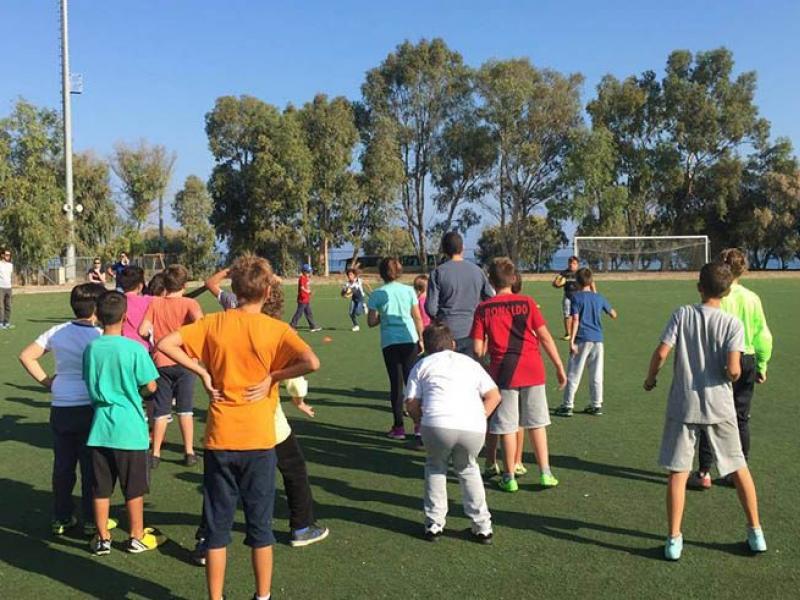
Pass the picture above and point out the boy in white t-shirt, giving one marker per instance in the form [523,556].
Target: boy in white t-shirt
[71,413]
[6,276]
[451,396]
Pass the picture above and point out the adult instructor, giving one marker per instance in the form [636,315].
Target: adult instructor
[454,290]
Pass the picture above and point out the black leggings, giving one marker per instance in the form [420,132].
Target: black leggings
[743,390]
[398,358]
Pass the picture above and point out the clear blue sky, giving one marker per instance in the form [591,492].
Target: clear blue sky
[153,68]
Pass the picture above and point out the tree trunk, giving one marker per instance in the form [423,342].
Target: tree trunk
[323,256]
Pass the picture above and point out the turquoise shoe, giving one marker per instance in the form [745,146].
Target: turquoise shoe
[673,548]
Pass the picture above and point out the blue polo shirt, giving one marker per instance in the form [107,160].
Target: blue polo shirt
[589,306]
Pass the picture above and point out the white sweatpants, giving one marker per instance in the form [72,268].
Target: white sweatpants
[590,354]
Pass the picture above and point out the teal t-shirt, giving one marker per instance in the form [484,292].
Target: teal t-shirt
[393,302]
[114,368]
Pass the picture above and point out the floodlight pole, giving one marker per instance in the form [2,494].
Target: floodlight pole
[69,207]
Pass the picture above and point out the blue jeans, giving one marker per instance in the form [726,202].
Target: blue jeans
[356,309]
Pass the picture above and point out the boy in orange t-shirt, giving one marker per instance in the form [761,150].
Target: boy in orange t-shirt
[165,315]
[246,355]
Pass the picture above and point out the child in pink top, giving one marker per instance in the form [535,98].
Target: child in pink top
[131,281]
[421,288]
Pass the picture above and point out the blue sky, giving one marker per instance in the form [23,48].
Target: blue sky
[152,69]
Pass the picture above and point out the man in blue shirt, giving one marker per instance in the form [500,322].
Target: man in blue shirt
[586,345]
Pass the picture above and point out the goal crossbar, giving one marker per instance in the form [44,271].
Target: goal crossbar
[691,240]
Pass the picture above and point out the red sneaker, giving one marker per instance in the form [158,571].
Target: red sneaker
[699,481]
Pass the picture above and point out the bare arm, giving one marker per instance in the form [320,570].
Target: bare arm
[734,367]
[29,357]
[656,362]
[559,281]
[373,318]
[491,400]
[214,283]
[172,346]
[148,389]
[613,314]
[479,348]
[417,316]
[576,321]
[550,348]
[145,328]
[414,408]
[306,363]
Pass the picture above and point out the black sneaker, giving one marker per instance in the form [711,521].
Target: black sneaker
[190,460]
[595,411]
[199,552]
[482,538]
[100,547]
[154,461]
[563,411]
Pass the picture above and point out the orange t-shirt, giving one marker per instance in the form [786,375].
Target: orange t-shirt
[168,315]
[239,349]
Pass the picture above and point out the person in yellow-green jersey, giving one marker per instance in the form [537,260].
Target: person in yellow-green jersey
[746,305]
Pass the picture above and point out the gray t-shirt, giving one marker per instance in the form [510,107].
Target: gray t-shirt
[702,337]
[455,289]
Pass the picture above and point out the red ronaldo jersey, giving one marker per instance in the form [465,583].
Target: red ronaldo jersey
[509,322]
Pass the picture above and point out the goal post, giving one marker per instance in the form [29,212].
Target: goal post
[643,253]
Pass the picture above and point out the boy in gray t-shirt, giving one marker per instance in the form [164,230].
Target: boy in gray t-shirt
[708,344]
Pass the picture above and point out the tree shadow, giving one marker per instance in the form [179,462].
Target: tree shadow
[27,388]
[353,393]
[17,428]
[29,402]
[55,320]
[27,551]
[578,464]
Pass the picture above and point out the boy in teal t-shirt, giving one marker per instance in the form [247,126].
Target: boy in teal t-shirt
[117,372]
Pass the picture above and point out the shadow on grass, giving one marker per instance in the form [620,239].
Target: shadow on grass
[28,551]
[578,464]
[29,402]
[353,393]
[17,428]
[26,388]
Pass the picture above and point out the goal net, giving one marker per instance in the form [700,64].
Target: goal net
[151,263]
[648,253]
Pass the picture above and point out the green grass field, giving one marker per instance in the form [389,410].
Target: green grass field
[599,534]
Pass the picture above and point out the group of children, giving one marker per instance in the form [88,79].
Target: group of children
[128,356]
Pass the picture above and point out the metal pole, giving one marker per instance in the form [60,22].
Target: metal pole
[67,114]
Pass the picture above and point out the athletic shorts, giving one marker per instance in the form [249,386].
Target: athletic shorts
[521,407]
[679,439]
[174,382]
[233,475]
[129,467]
[566,306]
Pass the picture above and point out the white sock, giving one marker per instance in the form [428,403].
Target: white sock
[267,597]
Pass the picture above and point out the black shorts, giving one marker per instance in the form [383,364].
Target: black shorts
[174,382]
[230,475]
[128,466]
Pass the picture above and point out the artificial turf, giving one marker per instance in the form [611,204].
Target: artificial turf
[598,534]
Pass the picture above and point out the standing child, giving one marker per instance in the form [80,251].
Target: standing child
[708,345]
[746,306]
[586,345]
[241,348]
[451,396]
[515,329]
[117,372]
[71,413]
[354,289]
[304,300]
[421,288]
[6,281]
[165,315]
[131,283]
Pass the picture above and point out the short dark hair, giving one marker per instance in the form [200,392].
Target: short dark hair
[83,299]
[421,284]
[452,243]
[715,280]
[130,277]
[156,285]
[251,276]
[111,308]
[573,258]
[736,261]
[437,337]
[175,278]
[352,270]
[584,276]
[502,272]
[390,269]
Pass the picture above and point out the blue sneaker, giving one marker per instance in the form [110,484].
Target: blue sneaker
[308,535]
[673,548]
[755,539]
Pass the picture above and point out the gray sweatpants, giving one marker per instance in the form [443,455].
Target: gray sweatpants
[590,355]
[463,447]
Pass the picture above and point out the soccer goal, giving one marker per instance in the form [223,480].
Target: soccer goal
[644,253]
[151,263]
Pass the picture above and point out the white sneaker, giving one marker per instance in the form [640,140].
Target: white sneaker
[316,329]
[356,328]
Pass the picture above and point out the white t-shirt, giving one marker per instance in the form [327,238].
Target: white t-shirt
[67,343]
[6,269]
[450,387]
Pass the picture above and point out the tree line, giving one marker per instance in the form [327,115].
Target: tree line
[434,145]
